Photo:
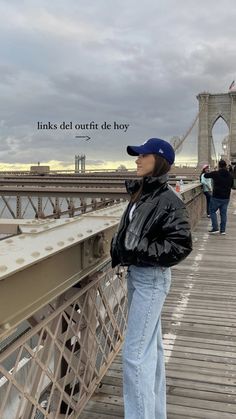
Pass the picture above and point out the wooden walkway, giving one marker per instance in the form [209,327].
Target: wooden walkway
[199,332]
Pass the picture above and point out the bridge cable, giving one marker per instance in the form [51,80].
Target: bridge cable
[190,129]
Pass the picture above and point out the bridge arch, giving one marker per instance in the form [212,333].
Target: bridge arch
[212,107]
[216,118]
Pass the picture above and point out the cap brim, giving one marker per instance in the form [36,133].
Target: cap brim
[133,150]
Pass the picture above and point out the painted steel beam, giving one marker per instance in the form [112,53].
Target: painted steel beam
[116,193]
[90,192]
[49,257]
[98,183]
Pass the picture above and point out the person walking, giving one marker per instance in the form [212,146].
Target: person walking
[207,187]
[222,184]
[153,235]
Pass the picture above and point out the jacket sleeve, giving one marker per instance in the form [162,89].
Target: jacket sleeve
[172,242]
[205,181]
[210,175]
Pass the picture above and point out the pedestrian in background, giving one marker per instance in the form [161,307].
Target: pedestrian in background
[153,235]
[230,168]
[207,187]
[222,184]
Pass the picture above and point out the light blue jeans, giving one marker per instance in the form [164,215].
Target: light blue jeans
[144,380]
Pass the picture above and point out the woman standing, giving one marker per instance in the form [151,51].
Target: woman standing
[207,187]
[153,234]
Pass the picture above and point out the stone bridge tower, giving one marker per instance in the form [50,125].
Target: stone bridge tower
[211,108]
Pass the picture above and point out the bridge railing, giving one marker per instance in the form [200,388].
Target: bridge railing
[40,200]
[57,364]
[63,316]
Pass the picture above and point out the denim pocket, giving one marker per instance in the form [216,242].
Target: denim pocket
[163,279]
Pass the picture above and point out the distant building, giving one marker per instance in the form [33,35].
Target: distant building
[80,161]
[41,170]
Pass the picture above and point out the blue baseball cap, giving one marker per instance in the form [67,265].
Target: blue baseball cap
[154,146]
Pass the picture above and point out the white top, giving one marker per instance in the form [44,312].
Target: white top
[131,211]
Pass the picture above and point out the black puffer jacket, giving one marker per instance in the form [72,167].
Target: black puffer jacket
[222,183]
[159,232]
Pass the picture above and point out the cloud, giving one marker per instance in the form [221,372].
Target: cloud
[136,63]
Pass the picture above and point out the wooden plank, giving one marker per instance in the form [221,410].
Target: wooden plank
[215,368]
[202,395]
[176,382]
[220,368]
[202,320]
[189,412]
[196,356]
[94,415]
[200,386]
[112,381]
[203,351]
[111,389]
[188,326]
[215,314]
[205,404]
[204,372]
[195,340]
[198,377]
[175,329]
[173,416]
[114,406]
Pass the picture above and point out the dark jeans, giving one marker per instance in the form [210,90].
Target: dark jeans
[208,199]
[222,205]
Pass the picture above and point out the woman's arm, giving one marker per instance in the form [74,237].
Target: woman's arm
[173,244]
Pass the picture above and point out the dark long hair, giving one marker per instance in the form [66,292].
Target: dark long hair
[161,167]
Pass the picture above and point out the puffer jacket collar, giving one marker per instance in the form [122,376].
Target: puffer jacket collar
[150,183]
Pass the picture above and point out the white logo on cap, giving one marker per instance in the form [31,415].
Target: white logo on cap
[160,150]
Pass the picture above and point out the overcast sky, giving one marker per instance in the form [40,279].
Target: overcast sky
[136,63]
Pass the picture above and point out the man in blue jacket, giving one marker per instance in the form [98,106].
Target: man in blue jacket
[222,184]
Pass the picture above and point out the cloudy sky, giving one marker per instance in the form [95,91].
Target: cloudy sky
[123,61]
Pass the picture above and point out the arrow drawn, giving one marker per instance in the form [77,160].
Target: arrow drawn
[83,136]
